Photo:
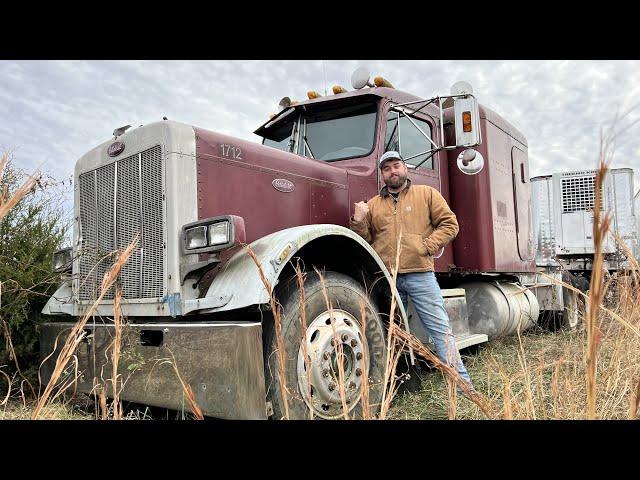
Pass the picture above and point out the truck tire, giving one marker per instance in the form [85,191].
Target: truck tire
[321,394]
[570,313]
[570,316]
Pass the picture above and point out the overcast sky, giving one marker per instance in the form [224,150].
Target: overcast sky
[54,111]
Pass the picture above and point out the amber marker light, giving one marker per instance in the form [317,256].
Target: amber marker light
[466,121]
[338,89]
[313,94]
[381,82]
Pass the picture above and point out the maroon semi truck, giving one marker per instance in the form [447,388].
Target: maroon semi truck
[193,296]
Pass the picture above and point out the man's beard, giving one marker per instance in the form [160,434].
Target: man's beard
[395,182]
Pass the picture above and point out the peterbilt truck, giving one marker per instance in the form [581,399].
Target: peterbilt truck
[563,205]
[198,200]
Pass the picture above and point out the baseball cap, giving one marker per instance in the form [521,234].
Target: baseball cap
[391,154]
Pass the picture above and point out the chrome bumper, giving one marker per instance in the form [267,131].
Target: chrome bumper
[222,362]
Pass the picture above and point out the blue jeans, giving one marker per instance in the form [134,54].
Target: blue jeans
[424,291]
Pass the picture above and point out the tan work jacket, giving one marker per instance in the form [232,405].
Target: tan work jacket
[421,213]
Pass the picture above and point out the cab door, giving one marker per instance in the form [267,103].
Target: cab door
[411,136]
[522,204]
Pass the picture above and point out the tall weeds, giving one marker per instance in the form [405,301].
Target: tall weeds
[6,202]
[338,343]
[596,292]
[300,278]
[77,332]
[277,318]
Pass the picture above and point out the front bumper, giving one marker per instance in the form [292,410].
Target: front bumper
[222,362]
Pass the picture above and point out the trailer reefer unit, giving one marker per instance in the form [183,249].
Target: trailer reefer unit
[563,206]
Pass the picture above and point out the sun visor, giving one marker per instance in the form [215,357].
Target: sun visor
[267,127]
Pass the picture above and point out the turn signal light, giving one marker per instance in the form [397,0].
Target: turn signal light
[466,121]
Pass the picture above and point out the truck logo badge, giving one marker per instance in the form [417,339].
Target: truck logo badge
[283,185]
[115,149]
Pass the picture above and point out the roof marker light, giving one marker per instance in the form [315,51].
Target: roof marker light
[381,82]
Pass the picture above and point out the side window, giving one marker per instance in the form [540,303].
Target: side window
[403,136]
[281,137]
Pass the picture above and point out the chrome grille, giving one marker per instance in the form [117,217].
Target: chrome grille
[118,202]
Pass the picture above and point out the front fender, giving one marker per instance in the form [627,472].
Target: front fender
[239,285]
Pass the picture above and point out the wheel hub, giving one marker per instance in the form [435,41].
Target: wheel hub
[318,377]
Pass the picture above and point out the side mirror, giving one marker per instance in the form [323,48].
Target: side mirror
[466,115]
[470,162]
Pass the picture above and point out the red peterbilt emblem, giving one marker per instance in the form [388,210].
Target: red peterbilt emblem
[283,185]
[115,149]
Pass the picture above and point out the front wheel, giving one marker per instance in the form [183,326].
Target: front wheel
[313,385]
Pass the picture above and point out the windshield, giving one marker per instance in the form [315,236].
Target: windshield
[328,133]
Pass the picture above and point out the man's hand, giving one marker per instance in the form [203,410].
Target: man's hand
[361,211]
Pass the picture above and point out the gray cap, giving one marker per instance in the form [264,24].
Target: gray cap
[391,154]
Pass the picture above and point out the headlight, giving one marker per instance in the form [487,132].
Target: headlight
[219,233]
[61,260]
[196,237]
[213,234]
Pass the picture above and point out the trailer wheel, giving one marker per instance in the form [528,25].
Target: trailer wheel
[570,313]
[570,316]
[312,386]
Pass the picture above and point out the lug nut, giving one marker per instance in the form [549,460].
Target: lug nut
[358,372]
[345,337]
[359,356]
[332,387]
[325,372]
[354,342]
[333,342]
[352,385]
[326,355]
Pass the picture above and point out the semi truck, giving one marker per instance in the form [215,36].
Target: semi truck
[201,203]
[563,217]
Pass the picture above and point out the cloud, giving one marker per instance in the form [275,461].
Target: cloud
[54,111]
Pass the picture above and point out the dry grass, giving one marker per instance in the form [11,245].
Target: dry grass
[555,372]
[188,394]
[590,373]
[77,332]
[277,317]
[336,341]
[28,185]
[596,290]
[56,410]
[366,407]
[393,349]
[116,347]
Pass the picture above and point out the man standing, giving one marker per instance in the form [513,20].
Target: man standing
[427,225]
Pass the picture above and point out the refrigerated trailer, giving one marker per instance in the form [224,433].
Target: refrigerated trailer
[193,294]
[563,215]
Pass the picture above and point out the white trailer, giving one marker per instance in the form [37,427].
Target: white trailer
[563,204]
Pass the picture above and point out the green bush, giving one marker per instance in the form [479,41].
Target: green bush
[29,234]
